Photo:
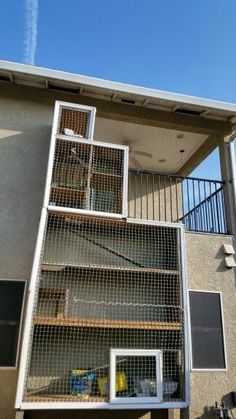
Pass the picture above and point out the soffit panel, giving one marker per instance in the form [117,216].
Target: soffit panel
[162,144]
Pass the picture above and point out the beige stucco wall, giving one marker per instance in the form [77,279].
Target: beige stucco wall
[206,271]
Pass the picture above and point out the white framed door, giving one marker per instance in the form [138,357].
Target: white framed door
[135,376]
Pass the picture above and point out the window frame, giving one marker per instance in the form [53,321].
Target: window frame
[194,369]
[157,353]
[15,367]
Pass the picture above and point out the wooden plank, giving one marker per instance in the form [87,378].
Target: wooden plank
[106,324]
[67,197]
[106,175]
[107,181]
[52,268]
[58,297]
[57,268]
[63,191]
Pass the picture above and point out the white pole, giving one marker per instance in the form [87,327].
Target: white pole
[233,171]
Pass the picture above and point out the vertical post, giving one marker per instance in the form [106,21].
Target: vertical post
[233,168]
[227,177]
[30,306]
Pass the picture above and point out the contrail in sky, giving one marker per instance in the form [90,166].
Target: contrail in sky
[31,31]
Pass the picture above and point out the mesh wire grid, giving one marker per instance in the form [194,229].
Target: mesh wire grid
[136,376]
[105,284]
[87,176]
[73,122]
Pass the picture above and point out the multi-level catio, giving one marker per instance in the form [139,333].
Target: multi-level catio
[107,319]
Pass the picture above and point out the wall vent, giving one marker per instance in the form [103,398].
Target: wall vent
[188,112]
[5,78]
[128,101]
[63,89]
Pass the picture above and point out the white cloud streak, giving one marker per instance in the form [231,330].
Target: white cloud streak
[31,31]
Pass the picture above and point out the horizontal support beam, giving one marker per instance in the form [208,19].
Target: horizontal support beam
[157,118]
[125,112]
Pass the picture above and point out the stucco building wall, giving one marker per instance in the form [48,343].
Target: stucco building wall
[206,271]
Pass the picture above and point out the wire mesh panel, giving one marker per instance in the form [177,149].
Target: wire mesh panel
[75,120]
[87,176]
[136,374]
[105,284]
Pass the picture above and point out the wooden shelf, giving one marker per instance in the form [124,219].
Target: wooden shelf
[105,324]
[64,190]
[101,180]
[65,398]
[58,297]
[61,195]
[106,174]
[83,398]
[57,268]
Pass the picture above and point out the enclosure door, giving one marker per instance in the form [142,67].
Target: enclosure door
[135,376]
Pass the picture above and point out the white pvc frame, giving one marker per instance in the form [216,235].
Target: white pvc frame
[14,367]
[27,338]
[58,105]
[135,352]
[223,335]
[77,107]
[19,404]
[124,212]
[185,303]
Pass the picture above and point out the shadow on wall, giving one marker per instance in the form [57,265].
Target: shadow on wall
[98,414]
[221,257]
[23,163]
[228,402]
[209,412]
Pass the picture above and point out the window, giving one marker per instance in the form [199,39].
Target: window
[206,330]
[11,299]
[135,376]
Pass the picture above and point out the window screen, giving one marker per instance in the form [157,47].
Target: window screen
[206,329]
[11,297]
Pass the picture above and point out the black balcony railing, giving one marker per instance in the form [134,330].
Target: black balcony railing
[198,203]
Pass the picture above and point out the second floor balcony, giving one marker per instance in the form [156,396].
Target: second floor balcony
[198,203]
[140,170]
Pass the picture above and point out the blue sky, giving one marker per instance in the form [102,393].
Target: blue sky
[185,46]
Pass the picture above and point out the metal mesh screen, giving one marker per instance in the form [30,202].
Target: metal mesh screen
[87,176]
[73,122]
[136,376]
[105,284]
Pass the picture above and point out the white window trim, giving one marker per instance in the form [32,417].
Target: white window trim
[135,352]
[223,334]
[20,323]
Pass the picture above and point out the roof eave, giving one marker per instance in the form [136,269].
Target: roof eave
[137,93]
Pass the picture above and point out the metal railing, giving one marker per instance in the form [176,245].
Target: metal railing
[198,203]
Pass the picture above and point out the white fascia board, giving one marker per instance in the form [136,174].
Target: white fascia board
[112,86]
